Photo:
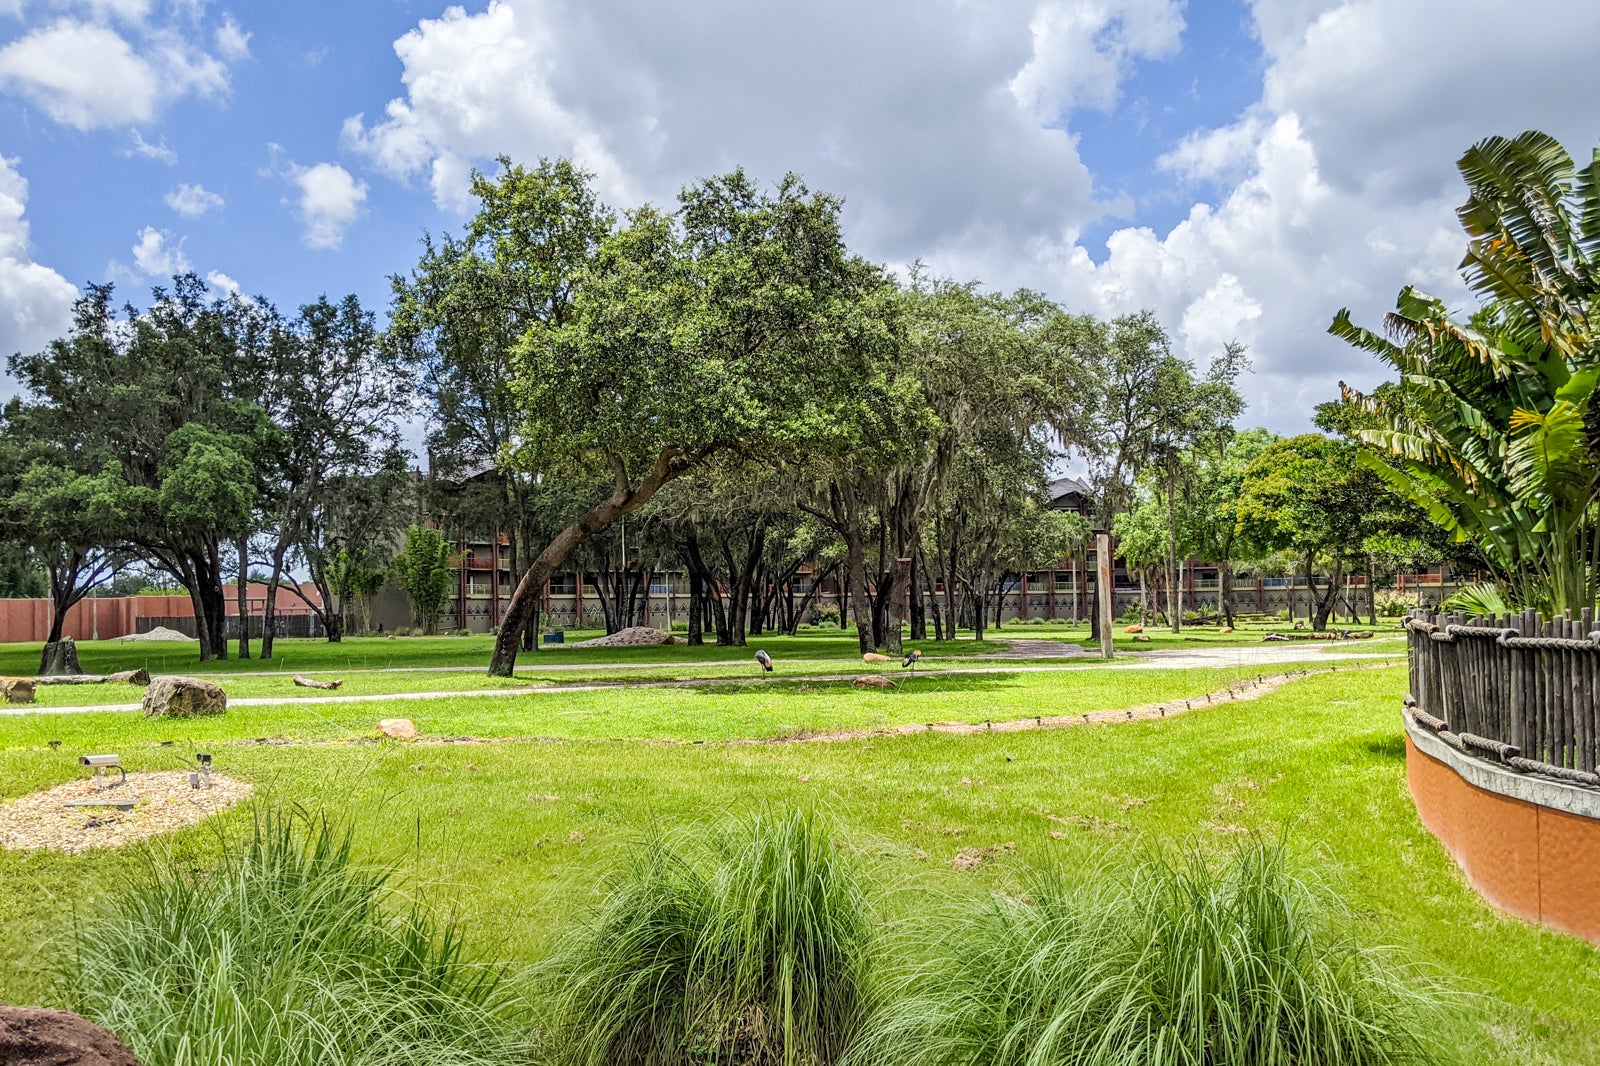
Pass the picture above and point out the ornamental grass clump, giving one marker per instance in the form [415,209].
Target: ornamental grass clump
[287,956]
[1185,963]
[752,948]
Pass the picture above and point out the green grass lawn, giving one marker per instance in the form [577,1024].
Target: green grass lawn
[420,653]
[513,837]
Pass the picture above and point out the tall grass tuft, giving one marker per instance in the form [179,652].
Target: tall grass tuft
[1184,963]
[752,948]
[287,956]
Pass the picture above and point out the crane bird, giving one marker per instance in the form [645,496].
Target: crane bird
[765,660]
[913,657]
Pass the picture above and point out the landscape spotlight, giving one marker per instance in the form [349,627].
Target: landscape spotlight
[204,760]
[101,764]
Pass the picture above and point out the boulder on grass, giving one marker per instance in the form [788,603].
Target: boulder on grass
[397,728]
[874,657]
[183,697]
[1135,628]
[873,681]
[17,689]
[140,677]
[33,1036]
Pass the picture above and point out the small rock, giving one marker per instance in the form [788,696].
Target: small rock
[873,681]
[183,697]
[874,657]
[1140,638]
[32,1036]
[17,689]
[397,728]
[140,677]
[1225,629]
[1135,628]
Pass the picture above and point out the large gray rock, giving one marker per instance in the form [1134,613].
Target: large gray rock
[183,697]
[32,1036]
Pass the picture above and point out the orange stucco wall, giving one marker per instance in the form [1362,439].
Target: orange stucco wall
[1538,863]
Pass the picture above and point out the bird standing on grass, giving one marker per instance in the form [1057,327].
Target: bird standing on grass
[913,657]
[765,660]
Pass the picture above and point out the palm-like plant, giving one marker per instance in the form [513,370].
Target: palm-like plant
[1491,428]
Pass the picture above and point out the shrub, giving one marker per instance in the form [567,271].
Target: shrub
[461,632]
[825,616]
[401,631]
[1394,604]
[1186,963]
[680,627]
[286,957]
[753,948]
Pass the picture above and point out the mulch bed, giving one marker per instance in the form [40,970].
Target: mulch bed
[166,803]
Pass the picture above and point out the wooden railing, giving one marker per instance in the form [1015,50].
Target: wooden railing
[1518,689]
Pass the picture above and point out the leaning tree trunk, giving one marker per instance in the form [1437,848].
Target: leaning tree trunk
[624,501]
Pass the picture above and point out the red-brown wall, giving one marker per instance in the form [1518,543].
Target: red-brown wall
[29,620]
[1537,862]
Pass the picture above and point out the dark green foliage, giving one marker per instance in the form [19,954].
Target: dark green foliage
[754,948]
[1186,963]
[286,956]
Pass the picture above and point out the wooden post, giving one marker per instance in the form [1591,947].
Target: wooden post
[1108,594]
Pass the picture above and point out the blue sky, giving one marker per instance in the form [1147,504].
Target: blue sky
[1242,168]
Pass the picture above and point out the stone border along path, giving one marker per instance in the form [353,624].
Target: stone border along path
[1198,658]
[1241,691]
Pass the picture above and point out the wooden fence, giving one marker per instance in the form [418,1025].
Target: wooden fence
[1518,688]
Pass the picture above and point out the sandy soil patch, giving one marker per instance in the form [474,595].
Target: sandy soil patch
[166,802]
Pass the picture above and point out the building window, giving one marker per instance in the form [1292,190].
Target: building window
[563,585]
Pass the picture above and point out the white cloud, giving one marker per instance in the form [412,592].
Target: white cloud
[222,283]
[156,256]
[947,126]
[329,201]
[110,64]
[35,301]
[158,151]
[192,200]
[233,43]
[1339,186]
[1083,49]
[906,107]
[82,75]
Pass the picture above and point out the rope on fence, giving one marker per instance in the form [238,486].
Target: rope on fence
[1507,637]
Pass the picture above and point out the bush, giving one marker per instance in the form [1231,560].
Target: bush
[680,627]
[754,948]
[1394,604]
[1185,964]
[286,957]
[401,631]
[826,616]
[461,632]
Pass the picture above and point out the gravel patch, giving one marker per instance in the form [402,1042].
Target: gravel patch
[166,802]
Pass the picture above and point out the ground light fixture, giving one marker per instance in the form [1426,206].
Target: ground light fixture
[202,777]
[101,764]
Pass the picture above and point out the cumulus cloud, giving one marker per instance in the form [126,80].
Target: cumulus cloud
[109,64]
[329,200]
[1083,49]
[909,108]
[948,128]
[156,256]
[1339,185]
[35,301]
[192,201]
